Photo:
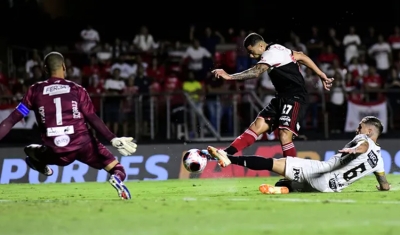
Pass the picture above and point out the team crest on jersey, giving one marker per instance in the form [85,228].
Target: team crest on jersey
[372,159]
[56,89]
[333,184]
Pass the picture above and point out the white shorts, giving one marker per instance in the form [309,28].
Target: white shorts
[312,172]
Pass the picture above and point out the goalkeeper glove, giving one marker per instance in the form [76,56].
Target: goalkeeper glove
[124,145]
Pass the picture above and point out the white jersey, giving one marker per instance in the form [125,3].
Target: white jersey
[284,71]
[338,172]
[352,167]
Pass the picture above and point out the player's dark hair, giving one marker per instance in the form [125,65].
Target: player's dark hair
[252,39]
[53,61]
[373,121]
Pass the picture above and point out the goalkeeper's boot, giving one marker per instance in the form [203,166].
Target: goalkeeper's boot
[33,153]
[123,191]
[220,155]
[37,166]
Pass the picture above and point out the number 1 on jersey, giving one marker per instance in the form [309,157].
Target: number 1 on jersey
[57,102]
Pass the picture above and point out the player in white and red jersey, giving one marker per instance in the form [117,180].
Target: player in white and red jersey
[288,108]
[359,158]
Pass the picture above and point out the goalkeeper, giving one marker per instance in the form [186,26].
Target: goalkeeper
[63,110]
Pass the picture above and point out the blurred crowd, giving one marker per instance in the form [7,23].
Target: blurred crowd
[121,74]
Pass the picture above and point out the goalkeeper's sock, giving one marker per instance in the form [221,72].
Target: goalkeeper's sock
[119,171]
[253,162]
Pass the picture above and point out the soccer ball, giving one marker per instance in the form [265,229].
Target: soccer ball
[194,161]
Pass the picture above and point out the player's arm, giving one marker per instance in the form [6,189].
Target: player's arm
[307,61]
[21,111]
[87,108]
[383,183]
[7,124]
[250,73]
[124,144]
[361,147]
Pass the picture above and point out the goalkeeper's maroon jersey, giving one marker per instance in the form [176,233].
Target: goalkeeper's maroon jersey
[62,109]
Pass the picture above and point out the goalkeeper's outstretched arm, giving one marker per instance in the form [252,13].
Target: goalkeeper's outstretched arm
[123,144]
[7,124]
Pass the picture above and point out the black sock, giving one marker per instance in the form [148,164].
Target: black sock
[231,150]
[253,162]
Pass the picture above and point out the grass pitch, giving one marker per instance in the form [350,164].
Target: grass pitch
[189,207]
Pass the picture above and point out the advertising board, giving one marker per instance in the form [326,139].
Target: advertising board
[163,162]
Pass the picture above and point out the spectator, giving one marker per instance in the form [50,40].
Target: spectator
[373,83]
[72,77]
[337,104]
[353,86]
[381,52]
[128,106]
[357,67]
[156,71]
[334,42]
[76,72]
[394,41]
[314,87]
[194,88]
[37,76]
[370,39]
[144,41]
[90,38]
[96,90]
[195,54]
[124,68]
[213,101]
[143,85]
[314,43]
[34,61]
[114,87]
[351,42]
[242,57]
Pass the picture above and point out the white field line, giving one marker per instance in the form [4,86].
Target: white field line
[232,199]
[394,188]
[296,200]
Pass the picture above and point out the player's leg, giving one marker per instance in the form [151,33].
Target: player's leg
[256,163]
[249,136]
[291,114]
[295,186]
[299,173]
[33,153]
[96,155]
[39,157]
[263,123]
[117,176]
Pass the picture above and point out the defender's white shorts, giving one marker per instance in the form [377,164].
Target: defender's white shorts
[312,172]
